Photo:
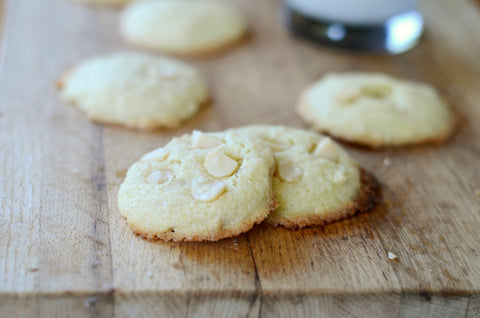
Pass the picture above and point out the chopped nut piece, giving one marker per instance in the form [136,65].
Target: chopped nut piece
[158,177]
[157,154]
[340,177]
[326,149]
[349,95]
[392,256]
[276,146]
[377,90]
[169,73]
[219,165]
[163,72]
[287,171]
[208,191]
[204,141]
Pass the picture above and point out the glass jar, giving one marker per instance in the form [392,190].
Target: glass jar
[389,26]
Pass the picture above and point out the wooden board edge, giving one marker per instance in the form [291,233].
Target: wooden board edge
[244,304]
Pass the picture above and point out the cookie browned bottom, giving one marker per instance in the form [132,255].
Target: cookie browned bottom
[367,198]
[213,51]
[149,128]
[303,111]
[215,236]
[141,128]
[60,84]
[434,141]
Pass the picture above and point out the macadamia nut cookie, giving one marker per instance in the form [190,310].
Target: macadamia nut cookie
[204,186]
[315,181]
[135,90]
[182,26]
[376,110]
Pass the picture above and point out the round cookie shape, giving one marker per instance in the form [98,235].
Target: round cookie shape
[182,26]
[376,110]
[135,90]
[316,181]
[204,186]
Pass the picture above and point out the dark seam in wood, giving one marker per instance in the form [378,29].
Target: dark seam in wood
[112,278]
[188,296]
[384,248]
[99,183]
[187,305]
[258,285]
[468,306]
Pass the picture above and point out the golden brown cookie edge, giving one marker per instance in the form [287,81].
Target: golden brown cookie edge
[368,197]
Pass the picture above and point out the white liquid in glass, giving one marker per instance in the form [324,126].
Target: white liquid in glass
[353,12]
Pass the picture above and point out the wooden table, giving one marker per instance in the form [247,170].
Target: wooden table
[66,252]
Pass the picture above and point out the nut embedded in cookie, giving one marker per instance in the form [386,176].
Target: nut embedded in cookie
[158,177]
[135,90]
[316,181]
[201,192]
[326,149]
[208,191]
[219,165]
[376,110]
[288,171]
[204,141]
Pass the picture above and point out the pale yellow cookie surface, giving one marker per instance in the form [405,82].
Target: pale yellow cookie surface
[199,187]
[315,181]
[182,26]
[135,90]
[376,110]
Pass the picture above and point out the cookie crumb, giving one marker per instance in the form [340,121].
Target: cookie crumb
[387,162]
[90,301]
[235,244]
[477,192]
[393,257]
[121,173]
[33,269]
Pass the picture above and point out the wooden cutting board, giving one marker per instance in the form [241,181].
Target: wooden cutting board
[66,252]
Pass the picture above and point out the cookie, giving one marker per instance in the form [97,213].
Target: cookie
[135,90]
[316,181]
[182,26]
[376,110]
[204,186]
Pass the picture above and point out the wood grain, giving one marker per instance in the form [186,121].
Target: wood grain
[65,250]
